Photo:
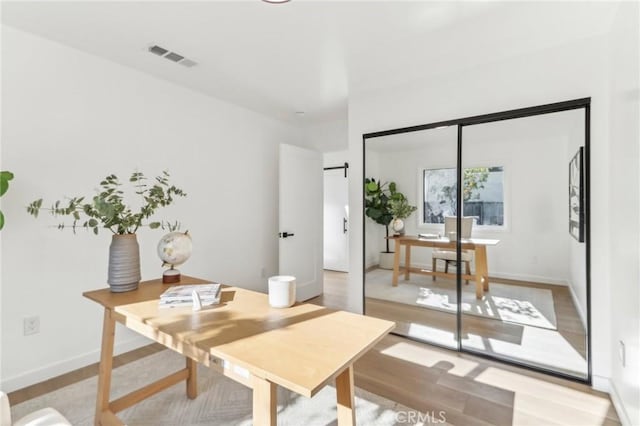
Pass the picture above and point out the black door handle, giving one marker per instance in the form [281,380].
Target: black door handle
[344,225]
[286,234]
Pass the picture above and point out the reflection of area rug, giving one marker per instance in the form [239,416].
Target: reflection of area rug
[221,401]
[511,303]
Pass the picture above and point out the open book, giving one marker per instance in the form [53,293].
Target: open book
[429,236]
[182,295]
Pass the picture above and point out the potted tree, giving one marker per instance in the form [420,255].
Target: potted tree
[378,207]
[108,210]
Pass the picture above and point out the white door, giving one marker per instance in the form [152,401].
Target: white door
[336,220]
[301,219]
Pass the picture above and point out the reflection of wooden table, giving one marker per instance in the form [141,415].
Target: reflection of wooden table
[302,348]
[479,246]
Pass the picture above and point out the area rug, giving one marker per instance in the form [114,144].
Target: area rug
[511,303]
[221,401]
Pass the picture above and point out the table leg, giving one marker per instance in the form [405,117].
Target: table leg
[106,365]
[407,261]
[264,402]
[345,396]
[396,265]
[192,379]
[482,274]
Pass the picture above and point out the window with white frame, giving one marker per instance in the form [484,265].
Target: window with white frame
[482,195]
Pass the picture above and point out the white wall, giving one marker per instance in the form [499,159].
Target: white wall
[566,72]
[331,136]
[375,233]
[623,205]
[68,120]
[335,158]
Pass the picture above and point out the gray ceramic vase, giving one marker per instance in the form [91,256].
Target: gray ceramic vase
[124,263]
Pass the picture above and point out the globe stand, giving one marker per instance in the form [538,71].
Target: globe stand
[171,276]
[174,249]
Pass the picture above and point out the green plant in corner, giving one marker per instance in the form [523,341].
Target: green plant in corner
[378,203]
[108,209]
[5,177]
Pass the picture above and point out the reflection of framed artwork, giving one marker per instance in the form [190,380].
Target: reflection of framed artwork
[576,196]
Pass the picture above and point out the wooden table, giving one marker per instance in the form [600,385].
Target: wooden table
[479,246]
[302,348]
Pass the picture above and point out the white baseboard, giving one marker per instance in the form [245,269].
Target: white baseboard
[506,275]
[618,405]
[602,384]
[371,264]
[49,371]
[531,278]
[576,303]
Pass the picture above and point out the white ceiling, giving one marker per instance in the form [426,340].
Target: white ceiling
[307,55]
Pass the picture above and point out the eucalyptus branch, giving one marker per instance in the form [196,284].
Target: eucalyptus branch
[108,210]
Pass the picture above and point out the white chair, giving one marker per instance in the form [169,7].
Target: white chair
[449,256]
[43,417]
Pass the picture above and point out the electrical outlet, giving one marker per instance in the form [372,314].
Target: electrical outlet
[622,353]
[31,325]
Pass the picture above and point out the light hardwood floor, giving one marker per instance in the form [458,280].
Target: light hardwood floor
[468,390]
[471,390]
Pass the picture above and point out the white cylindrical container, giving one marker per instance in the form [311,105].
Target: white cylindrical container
[282,291]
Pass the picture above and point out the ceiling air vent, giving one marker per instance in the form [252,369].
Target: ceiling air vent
[172,56]
[158,50]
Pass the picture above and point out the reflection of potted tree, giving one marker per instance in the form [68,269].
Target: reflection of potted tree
[378,201]
[401,210]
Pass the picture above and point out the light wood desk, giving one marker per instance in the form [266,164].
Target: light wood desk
[302,348]
[479,246]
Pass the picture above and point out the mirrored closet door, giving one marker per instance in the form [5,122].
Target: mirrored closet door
[411,177]
[476,235]
[516,186]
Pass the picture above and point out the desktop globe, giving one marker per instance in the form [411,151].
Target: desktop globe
[174,249]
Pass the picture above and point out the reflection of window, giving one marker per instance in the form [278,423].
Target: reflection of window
[482,194]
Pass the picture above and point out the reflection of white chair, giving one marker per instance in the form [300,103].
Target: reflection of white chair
[43,417]
[449,256]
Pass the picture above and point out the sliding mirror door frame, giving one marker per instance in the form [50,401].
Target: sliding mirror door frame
[576,104]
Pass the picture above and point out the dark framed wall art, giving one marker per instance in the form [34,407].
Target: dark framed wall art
[576,196]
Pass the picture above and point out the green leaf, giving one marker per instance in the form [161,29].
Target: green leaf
[372,186]
[34,207]
[108,208]
[1,220]
[374,213]
[5,177]
[392,187]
